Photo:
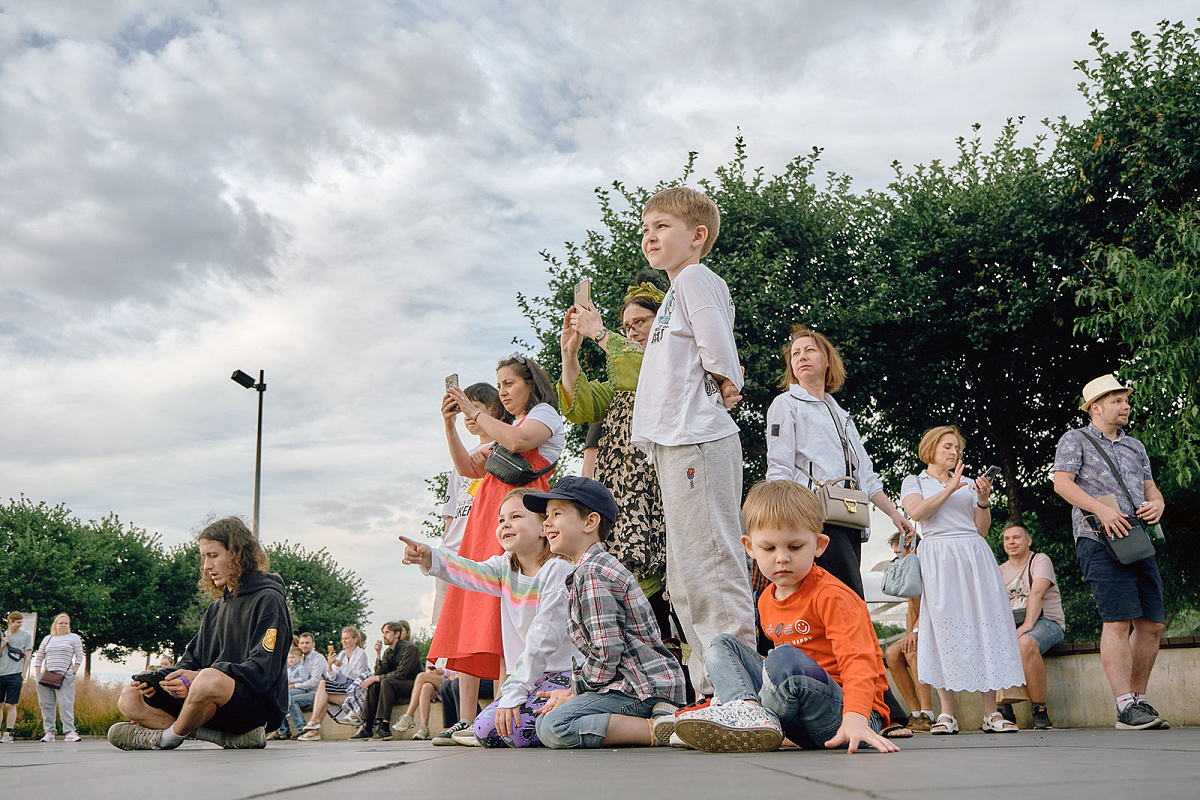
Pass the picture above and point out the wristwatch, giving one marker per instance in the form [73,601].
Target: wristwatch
[600,335]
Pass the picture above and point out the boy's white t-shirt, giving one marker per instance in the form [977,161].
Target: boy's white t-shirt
[678,401]
[544,413]
[460,496]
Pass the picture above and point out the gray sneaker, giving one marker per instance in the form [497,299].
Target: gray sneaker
[129,736]
[1162,723]
[1136,717]
[253,740]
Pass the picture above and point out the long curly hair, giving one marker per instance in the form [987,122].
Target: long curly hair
[248,555]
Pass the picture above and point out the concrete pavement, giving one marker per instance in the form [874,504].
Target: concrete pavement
[1092,764]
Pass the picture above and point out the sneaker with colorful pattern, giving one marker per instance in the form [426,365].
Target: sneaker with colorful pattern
[737,727]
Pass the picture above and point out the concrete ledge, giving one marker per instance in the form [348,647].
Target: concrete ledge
[1078,695]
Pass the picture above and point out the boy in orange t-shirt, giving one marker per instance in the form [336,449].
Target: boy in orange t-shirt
[823,684]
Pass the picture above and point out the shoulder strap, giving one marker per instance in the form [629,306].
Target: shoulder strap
[1112,467]
[844,438]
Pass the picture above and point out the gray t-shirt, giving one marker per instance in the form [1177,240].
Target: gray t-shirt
[21,640]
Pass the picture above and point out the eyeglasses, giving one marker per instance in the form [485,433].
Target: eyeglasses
[637,325]
[517,357]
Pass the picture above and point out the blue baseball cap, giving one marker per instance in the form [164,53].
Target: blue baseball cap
[591,493]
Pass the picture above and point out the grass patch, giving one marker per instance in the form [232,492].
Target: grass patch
[95,709]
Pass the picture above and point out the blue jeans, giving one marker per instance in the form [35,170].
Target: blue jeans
[1046,633]
[582,721]
[787,683]
[298,700]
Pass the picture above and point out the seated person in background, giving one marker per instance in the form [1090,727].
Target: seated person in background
[822,685]
[901,658]
[425,689]
[395,670]
[301,694]
[232,679]
[1037,602]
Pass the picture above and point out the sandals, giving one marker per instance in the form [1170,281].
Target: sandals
[896,732]
[941,728]
[996,723]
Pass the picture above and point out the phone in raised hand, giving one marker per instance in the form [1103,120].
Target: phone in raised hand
[452,381]
[583,293]
[991,473]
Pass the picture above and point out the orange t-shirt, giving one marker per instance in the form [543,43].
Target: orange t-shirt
[831,624]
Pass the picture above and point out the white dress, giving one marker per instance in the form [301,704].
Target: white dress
[967,640]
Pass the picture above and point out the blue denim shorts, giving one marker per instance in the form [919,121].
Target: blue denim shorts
[1046,633]
[1122,592]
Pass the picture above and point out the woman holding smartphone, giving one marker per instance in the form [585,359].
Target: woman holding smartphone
[638,539]
[967,641]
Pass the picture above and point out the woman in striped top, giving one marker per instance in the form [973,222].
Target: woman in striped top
[62,652]
[531,585]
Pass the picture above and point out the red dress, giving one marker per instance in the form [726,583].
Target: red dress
[468,631]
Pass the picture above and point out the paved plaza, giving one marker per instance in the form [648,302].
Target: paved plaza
[1093,764]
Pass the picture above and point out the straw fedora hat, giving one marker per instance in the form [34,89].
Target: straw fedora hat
[1100,387]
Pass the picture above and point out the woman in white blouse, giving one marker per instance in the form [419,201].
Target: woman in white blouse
[62,652]
[811,439]
[345,672]
[967,640]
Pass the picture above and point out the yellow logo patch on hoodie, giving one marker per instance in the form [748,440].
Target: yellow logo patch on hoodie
[269,638]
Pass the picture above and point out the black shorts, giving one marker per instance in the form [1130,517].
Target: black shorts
[10,688]
[1122,592]
[244,712]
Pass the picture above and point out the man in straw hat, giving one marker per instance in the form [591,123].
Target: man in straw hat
[1129,597]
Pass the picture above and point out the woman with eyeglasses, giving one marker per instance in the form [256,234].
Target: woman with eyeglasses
[638,539]
[468,631]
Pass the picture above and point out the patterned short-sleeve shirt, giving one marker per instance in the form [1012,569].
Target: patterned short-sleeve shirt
[1092,474]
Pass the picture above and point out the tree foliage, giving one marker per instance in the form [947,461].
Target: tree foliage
[124,592]
[982,292]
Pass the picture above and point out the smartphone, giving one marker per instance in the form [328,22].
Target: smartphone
[332,651]
[150,678]
[452,381]
[991,473]
[583,293]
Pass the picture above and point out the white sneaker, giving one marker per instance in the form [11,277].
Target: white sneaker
[6,737]
[737,727]
[404,723]
[466,738]
[71,737]
[675,741]
[422,733]
[49,737]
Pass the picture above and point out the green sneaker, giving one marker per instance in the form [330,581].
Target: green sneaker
[128,736]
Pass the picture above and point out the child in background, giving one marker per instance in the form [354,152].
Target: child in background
[460,490]
[627,677]
[531,584]
[529,424]
[297,672]
[689,379]
[822,685]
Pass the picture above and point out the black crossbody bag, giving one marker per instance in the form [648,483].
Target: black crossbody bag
[1134,546]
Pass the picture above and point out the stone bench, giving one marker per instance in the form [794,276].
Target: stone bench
[1078,694]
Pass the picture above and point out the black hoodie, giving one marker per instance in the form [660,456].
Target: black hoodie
[247,636]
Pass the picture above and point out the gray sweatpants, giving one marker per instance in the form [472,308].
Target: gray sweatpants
[64,696]
[707,578]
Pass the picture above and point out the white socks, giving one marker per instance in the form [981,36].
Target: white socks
[169,739]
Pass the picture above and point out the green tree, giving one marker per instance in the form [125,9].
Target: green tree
[323,596]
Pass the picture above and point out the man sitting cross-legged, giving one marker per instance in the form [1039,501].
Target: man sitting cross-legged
[232,679]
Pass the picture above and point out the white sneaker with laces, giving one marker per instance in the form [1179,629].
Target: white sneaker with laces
[737,727]
[71,737]
[49,737]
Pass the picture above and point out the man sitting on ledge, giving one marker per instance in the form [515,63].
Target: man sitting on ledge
[231,681]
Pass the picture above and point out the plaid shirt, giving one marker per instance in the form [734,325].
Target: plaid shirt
[1092,474]
[612,625]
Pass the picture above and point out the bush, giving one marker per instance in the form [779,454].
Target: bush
[95,709]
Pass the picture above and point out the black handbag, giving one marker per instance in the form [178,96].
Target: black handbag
[512,468]
[1136,544]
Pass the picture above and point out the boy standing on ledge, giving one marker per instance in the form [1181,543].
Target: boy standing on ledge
[690,378]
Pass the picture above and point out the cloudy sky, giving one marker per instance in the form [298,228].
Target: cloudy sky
[350,196]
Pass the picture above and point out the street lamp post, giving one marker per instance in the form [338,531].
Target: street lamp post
[247,381]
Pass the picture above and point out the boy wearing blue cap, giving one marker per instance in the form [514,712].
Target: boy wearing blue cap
[627,676]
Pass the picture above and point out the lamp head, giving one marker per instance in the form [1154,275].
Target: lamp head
[239,377]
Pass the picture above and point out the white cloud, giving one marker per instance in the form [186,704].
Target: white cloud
[350,198]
